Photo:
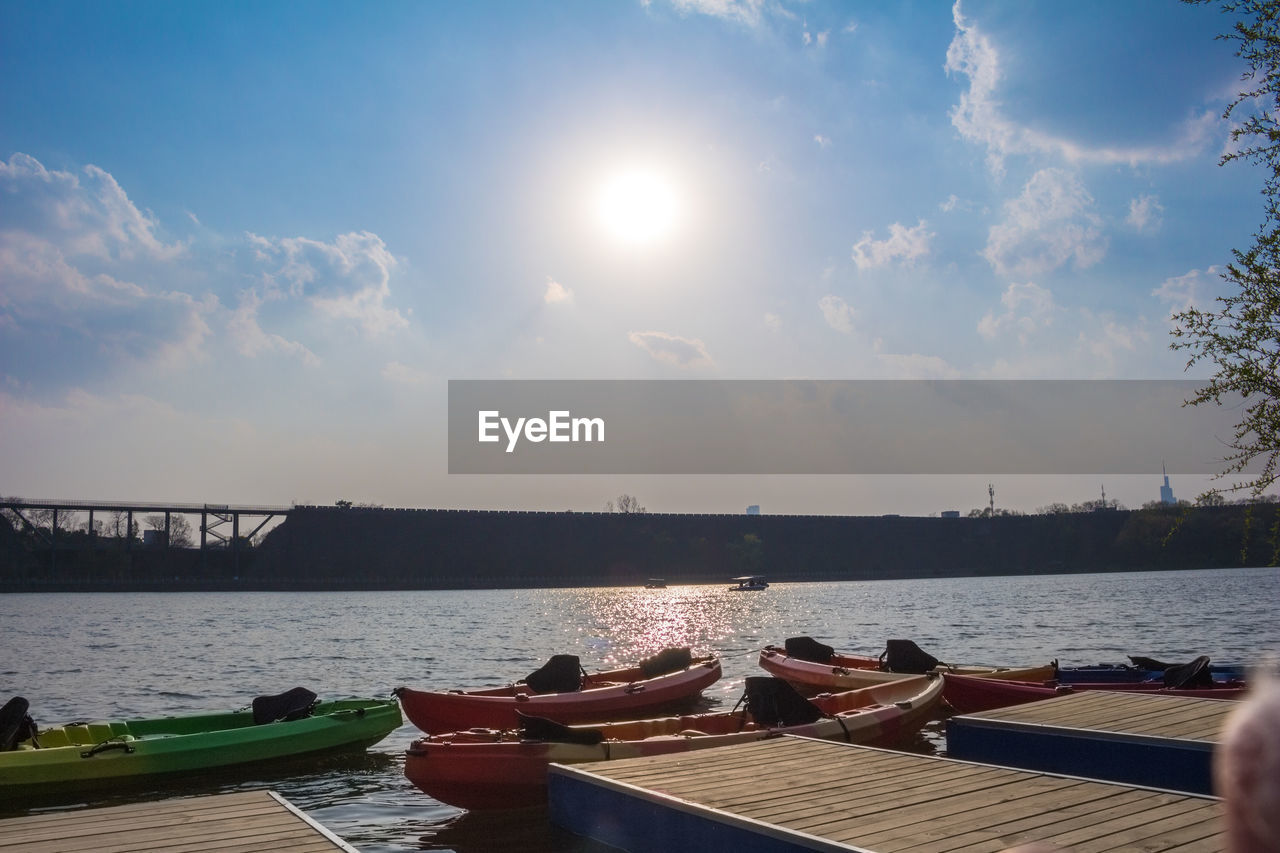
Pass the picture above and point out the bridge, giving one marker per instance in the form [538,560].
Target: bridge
[52,523]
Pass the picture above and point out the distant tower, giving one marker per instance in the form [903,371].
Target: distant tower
[1104,495]
[991,492]
[1166,491]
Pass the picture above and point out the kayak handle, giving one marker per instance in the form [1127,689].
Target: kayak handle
[107,745]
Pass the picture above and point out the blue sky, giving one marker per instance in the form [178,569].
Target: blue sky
[243,246]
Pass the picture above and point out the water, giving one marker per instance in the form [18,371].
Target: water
[130,655]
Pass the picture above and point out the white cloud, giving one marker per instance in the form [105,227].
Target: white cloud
[823,141]
[772,321]
[1103,337]
[93,217]
[90,290]
[979,117]
[1027,309]
[905,244]
[250,340]
[914,365]
[672,349]
[1145,213]
[346,279]
[402,374]
[837,313]
[747,12]
[556,292]
[1194,289]
[1051,223]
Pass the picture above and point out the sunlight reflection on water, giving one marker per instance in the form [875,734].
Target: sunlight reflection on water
[105,655]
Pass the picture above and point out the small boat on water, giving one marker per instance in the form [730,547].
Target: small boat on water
[562,691]
[489,769]
[969,695]
[749,583]
[100,753]
[812,665]
[655,583]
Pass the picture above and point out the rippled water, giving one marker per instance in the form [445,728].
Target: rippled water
[131,655]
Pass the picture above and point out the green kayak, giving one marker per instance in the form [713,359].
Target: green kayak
[87,754]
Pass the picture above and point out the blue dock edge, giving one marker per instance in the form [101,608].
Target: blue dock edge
[641,821]
[1171,764]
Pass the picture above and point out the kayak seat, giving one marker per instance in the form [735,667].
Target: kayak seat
[906,656]
[807,648]
[560,674]
[291,705]
[667,660]
[16,724]
[1189,676]
[773,702]
[540,728]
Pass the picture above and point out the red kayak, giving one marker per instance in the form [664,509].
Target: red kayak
[490,769]
[969,695]
[562,692]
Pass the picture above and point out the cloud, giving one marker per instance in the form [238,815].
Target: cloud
[772,321]
[1050,224]
[837,313]
[979,117]
[403,374]
[1145,214]
[747,12]
[672,349]
[1027,309]
[93,217]
[914,365]
[347,279]
[905,244]
[823,141]
[91,290]
[1194,289]
[250,340]
[556,292]
[1104,335]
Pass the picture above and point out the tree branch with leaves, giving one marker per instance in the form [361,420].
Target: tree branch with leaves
[1241,336]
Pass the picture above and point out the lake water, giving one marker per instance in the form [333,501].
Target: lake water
[130,655]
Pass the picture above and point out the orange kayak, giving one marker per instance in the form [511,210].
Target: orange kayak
[612,695]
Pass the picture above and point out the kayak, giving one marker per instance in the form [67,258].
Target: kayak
[1138,669]
[491,769]
[968,695]
[669,679]
[814,666]
[102,752]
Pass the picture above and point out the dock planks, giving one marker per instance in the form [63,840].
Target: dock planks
[1163,741]
[792,794]
[224,823]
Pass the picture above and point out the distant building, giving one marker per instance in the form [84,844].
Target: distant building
[951,513]
[754,509]
[1166,491]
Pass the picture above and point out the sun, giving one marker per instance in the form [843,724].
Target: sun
[638,207]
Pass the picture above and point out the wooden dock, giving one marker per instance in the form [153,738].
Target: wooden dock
[792,794]
[1163,741]
[226,823]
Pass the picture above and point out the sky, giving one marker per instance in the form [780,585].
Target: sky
[244,246]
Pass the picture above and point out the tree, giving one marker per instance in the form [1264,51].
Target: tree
[1241,337]
[625,503]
